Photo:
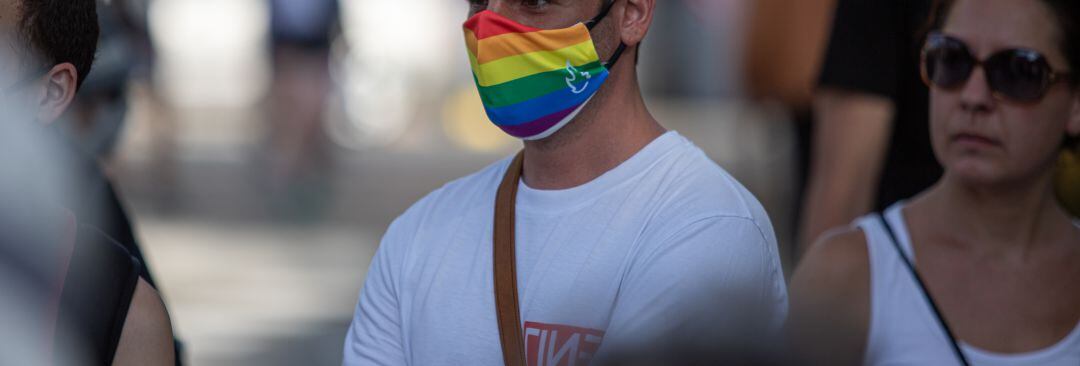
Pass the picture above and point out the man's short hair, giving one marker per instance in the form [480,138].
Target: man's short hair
[61,31]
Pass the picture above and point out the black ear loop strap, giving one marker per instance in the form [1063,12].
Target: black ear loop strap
[592,24]
[926,293]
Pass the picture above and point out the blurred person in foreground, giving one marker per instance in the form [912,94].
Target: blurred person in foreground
[48,39]
[610,230]
[982,268]
[57,228]
[869,140]
[783,49]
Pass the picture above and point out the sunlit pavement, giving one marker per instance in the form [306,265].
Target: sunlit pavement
[250,286]
[253,278]
[257,294]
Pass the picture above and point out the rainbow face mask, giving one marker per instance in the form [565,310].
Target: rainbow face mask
[533,81]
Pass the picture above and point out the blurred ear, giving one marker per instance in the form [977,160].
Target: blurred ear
[637,17]
[57,92]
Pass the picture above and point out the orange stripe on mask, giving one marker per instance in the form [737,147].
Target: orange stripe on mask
[513,44]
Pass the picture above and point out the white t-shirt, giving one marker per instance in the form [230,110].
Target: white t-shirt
[626,257]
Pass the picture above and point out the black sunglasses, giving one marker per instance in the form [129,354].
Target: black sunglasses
[1018,74]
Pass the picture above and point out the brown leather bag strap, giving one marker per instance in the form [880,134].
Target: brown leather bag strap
[506,293]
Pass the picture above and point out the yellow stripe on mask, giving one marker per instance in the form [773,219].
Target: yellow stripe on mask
[516,67]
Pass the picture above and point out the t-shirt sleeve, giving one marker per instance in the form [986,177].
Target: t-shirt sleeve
[719,274]
[375,336]
[862,54]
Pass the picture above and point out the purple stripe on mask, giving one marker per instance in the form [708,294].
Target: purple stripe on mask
[537,127]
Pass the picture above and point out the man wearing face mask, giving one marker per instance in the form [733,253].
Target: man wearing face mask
[605,233]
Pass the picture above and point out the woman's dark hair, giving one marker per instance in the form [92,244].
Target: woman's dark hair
[1067,14]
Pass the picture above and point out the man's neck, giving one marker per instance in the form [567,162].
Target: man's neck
[613,127]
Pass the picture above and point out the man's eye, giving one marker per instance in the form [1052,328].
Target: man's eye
[534,4]
[476,6]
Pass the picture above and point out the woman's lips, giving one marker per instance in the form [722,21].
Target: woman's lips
[973,139]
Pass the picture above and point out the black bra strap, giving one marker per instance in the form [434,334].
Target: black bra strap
[926,293]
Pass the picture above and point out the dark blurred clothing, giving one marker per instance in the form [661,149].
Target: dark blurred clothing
[875,48]
[96,204]
[97,292]
[58,224]
[307,23]
[78,282]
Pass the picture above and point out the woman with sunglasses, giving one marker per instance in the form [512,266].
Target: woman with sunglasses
[983,268]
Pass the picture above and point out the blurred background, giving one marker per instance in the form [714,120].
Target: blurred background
[263,146]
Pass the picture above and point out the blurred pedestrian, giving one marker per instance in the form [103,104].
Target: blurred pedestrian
[869,142]
[784,46]
[301,32]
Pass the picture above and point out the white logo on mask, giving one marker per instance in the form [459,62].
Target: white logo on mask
[574,76]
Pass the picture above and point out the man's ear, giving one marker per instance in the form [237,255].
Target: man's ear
[57,92]
[636,19]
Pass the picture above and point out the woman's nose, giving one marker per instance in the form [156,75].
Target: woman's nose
[976,94]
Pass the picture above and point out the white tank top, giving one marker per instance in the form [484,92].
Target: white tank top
[903,330]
